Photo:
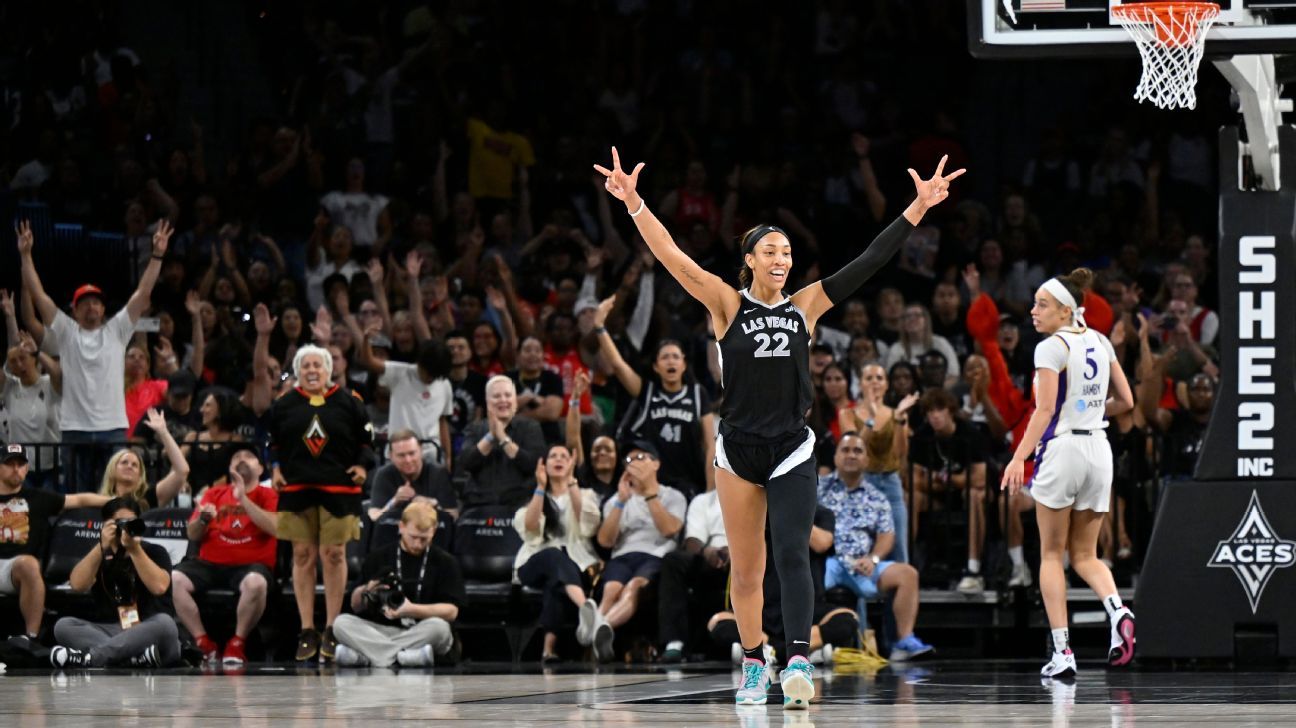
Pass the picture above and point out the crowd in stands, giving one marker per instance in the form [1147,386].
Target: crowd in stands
[413,232]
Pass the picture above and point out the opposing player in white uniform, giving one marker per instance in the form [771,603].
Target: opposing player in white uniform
[1078,384]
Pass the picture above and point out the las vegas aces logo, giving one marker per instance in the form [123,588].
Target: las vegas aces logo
[1254,552]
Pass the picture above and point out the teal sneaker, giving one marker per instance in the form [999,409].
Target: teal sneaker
[797,680]
[755,684]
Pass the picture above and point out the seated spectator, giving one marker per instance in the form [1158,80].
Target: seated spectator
[863,539]
[902,381]
[235,525]
[831,403]
[325,259]
[499,452]
[863,351]
[600,469]
[182,417]
[26,513]
[131,581]
[30,400]
[833,626]
[886,438]
[125,475]
[209,448]
[407,476]
[694,577]
[917,339]
[557,557]
[947,318]
[639,524]
[890,324]
[411,595]
[92,352]
[469,388]
[949,454]
[540,391]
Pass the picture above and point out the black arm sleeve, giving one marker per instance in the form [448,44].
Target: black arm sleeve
[845,282]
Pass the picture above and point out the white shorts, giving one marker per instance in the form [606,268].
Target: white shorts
[1074,471]
[6,576]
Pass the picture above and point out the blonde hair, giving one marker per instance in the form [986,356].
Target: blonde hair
[109,486]
[420,514]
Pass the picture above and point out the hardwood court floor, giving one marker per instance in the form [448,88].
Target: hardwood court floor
[935,693]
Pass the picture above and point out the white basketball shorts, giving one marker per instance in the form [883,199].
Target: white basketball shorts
[1074,471]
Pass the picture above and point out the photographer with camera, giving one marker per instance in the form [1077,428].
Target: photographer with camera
[411,594]
[131,583]
[235,526]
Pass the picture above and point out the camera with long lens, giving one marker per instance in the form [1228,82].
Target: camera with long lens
[133,526]
[387,594]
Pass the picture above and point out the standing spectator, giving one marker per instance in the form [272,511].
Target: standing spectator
[540,390]
[409,627]
[1203,323]
[639,524]
[30,401]
[1182,428]
[495,157]
[670,411]
[409,475]
[324,260]
[863,539]
[468,386]
[363,213]
[599,470]
[891,323]
[143,392]
[917,339]
[694,577]
[497,452]
[950,454]
[131,582]
[321,437]
[563,357]
[125,477]
[92,351]
[422,399]
[26,513]
[947,318]
[557,556]
[234,525]
[208,450]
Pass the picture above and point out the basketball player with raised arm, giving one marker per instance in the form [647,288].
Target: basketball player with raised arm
[764,453]
[1078,385]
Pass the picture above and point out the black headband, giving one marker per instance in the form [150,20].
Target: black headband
[758,232]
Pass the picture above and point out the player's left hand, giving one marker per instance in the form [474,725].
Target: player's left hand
[931,192]
[1013,475]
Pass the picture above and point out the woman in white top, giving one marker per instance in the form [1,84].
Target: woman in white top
[557,556]
[916,339]
[1075,369]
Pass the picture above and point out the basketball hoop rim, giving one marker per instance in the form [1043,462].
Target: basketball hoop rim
[1142,12]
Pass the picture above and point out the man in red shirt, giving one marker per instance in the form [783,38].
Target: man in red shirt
[562,357]
[235,524]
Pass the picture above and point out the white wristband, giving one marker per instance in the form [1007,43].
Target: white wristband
[642,205]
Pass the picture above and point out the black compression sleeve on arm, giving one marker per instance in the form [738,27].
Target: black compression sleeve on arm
[845,282]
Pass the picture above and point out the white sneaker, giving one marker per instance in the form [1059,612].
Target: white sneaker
[603,637]
[588,622]
[971,584]
[797,681]
[348,657]
[1062,666]
[1122,639]
[822,656]
[1021,576]
[415,657]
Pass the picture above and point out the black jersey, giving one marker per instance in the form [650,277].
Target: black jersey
[672,422]
[765,369]
[314,441]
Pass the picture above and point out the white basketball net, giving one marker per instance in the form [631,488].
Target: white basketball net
[1171,38]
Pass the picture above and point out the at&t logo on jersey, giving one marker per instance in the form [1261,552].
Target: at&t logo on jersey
[1254,552]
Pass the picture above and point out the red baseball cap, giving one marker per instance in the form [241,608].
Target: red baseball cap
[88,289]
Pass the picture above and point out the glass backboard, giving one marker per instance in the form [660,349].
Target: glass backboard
[1085,28]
